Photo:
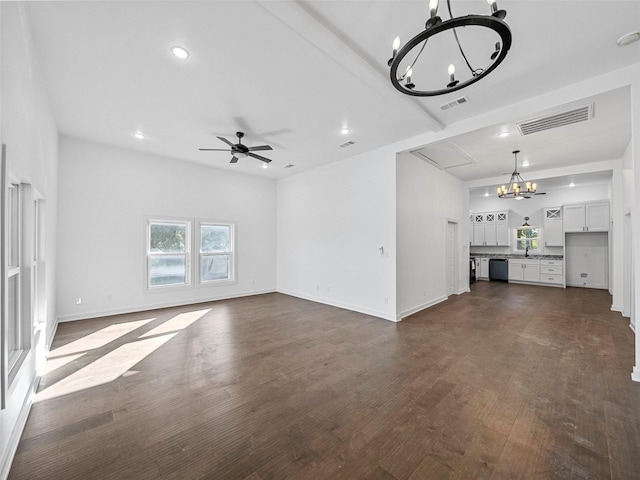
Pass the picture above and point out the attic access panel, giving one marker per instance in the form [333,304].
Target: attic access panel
[444,155]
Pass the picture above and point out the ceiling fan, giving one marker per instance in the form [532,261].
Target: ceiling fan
[239,150]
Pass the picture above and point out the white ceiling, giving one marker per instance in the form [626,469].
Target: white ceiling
[292,74]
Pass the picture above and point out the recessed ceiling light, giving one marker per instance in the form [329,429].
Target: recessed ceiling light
[628,38]
[486,194]
[139,135]
[525,163]
[572,184]
[264,165]
[504,134]
[344,131]
[179,52]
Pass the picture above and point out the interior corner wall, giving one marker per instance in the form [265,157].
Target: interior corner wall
[332,223]
[106,194]
[427,198]
[28,130]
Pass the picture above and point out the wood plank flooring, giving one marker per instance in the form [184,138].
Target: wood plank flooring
[506,382]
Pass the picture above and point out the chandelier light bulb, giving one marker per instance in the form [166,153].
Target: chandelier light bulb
[396,45]
[433,14]
[452,76]
[433,7]
[407,75]
[534,186]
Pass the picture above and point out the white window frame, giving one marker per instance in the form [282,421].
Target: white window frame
[528,240]
[230,252]
[14,249]
[187,223]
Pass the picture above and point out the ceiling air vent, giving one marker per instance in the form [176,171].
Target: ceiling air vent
[455,103]
[554,121]
[347,144]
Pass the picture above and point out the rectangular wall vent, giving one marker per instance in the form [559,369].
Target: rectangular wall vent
[455,103]
[347,144]
[559,120]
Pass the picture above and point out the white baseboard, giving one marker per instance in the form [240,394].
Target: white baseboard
[346,306]
[616,308]
[155,306]
[635,375]
[16,433]
[421,307]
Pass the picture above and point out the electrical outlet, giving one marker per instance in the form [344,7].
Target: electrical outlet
[386,300]
[109,298]
[78,301]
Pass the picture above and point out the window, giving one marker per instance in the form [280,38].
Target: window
[168,253]
[527,238]
[17,335]
[216,252]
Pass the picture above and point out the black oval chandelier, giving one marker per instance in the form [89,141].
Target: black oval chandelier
[434,26]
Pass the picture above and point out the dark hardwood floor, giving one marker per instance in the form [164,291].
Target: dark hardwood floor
[507,382]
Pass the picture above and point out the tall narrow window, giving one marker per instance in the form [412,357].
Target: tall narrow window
[14,238]
[168,251]
[216,252]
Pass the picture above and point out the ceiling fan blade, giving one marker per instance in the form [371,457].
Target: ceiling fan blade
[541,193]
[213,149]
[234,160]
[260,147]
[226,141]
[265,160]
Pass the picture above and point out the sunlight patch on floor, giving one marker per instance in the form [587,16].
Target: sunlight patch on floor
[105,369]
[179,322]
[98,339]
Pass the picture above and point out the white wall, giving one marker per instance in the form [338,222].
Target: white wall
[534,205]
[105,194]
[331,223]
[426,199]
[29,132]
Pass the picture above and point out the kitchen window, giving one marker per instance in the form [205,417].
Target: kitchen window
[527,239]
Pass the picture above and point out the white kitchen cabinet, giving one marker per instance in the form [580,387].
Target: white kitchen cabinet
[552,271]
[586,217]
[524,270]
[552,227]
[490,229]
[484,269]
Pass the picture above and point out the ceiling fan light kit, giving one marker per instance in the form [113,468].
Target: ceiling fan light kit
[515,190]
[496,52]
[238,150]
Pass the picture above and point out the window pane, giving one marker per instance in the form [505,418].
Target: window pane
[167,270]
[14,321]
[215,238]
[167,238]
[521,244]
[214,267]
[533,245]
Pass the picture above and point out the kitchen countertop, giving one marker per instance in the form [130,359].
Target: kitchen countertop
[516,255]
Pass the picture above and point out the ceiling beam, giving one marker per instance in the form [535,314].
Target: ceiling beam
[302,20]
